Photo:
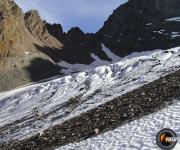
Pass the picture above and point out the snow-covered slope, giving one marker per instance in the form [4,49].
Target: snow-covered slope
[71,68]
[43,105]
[137,135]
[177,19]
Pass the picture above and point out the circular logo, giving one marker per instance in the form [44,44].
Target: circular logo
[166,139]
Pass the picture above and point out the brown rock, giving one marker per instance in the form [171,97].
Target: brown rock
[11,27]
[21,59]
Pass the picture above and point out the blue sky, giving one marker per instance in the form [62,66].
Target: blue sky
[89,15]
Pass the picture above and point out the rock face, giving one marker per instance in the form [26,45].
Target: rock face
[35,25]
[140,25]
[78,46]
[21,61]
[11,27]
[55,30]
[137,25]
[38,29]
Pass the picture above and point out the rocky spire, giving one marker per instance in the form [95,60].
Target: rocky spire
[35,25]
[55,30]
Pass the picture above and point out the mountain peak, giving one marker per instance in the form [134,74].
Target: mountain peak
[55,30]
[32,13]
[75,34]
[75,29]
[35,24]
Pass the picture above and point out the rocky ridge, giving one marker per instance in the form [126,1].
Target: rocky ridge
[137,25]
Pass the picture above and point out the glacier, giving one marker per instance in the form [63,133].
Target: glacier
[28,105]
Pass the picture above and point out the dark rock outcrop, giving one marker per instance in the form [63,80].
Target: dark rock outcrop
[79,47]
[55,30]
[140,25]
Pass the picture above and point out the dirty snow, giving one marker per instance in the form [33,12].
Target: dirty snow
[175,34]
[110,54]
[136,135]
[149,24]
[177,19]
